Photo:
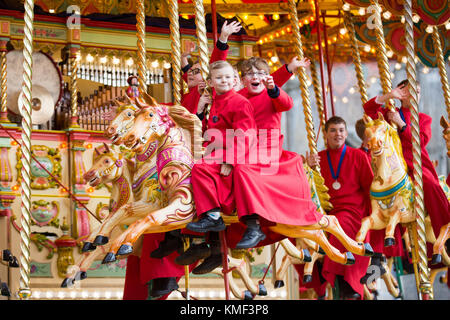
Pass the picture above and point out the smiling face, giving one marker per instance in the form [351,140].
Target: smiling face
[253,80]
[336,134]
[222,79]
[194,76]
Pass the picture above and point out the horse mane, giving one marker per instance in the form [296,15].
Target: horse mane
[190,122]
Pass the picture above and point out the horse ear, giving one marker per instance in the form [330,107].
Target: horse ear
[106,147]
[149,99]
[366,118]
[444,123]
[380,116]
[96,151]
[118,103]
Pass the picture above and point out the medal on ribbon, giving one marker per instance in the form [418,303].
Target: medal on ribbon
[336,185]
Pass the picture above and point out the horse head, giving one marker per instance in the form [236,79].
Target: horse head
[122,121]
[151,123]
[107,166]
[375,133]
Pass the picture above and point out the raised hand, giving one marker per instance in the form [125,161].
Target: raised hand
[229,29]
[268,82]
[297,63]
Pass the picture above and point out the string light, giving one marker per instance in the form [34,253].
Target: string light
[275,16]
[387,15]
[346,7]
[429,29]
[416,18]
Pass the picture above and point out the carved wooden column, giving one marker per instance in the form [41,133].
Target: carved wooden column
[4,38]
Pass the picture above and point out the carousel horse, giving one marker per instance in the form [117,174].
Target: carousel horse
[446,133]
[176,134]
[391,190]
[108,166]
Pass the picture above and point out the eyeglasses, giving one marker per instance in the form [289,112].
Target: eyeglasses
[257,74]
[194,71]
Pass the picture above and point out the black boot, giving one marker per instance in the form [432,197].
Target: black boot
[206,224]
[375,265]
[346,291]
[163,286]
[212,262]
[253,235]
[170,244]
[194,253]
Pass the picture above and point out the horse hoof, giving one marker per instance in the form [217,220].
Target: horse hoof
[388,242]
[350,258]
[262,291]
[321,251]
[306,256]
[307,278]
[248,295]
[67,283]
[88,246]
[81,275]
[110,257]
[13,263]
[124,250]
[437,258]
[368,251]
[4,290]
[101,240]
[278,284]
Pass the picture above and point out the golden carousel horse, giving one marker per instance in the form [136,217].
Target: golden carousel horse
[391,190]
[176,133]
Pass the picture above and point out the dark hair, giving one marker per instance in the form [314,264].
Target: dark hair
[360,127]
[406,81]
[335,120]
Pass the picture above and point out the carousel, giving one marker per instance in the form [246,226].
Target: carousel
[91,184]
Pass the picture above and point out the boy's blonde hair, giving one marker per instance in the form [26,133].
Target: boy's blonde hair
[220,64]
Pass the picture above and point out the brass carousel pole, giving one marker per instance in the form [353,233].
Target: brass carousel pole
[176,50]
[303,80]
[3,76]
[356,56]
[425,287]
[382,59]
[74,65]
[25,111]
[317,89]
[141,50]
[442,70]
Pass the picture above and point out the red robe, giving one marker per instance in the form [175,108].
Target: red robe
[190,99]
[277,191]
[435,200]
[210,188]
[351,203]
[142,270]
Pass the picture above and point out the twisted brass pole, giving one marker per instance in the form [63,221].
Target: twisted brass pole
[141,50]
[202,39]
[442,70]
[356,56]
[317,89]
[74,90]
[382,59]
[176,51]
[25,111]
[303,81]
[425,287]
[3,94]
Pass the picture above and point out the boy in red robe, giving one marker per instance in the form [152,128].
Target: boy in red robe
[435,201]
[348,176]
[212,176]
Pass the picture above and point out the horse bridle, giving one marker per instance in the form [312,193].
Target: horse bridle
[117,163]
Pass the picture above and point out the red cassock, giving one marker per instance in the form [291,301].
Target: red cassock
[351,203]
[211,189]
[435,200]
[141,270]
[190,99]
[377,236]
[275,187]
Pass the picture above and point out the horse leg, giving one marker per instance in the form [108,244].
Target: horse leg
[293,251]
[389,239]
[390,282]
[439,244]
[331,224]
[233,286]
[239,265]
[318,236]
[148,224]
[281,272]
[309,266]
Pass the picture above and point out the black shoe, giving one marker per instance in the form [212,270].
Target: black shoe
[209,264]
[252,236]
[205,224]
[352,296]
[194,253]
[166,247]
[163,286]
